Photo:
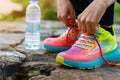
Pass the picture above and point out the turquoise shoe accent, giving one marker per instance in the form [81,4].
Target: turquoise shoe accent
[55,48]
[111,56]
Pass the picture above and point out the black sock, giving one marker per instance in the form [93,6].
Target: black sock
[109,29]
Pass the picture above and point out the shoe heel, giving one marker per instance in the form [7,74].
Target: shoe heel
[113,55]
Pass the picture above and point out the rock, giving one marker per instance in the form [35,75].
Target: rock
[10,78]
[20,48]
[19,27]
[1,74]
[51,24]
[38,68]
[117,28]
[65,73]
[6,47]
[11,57]
[10,38]
[12,27]
[40,77]
[33,73]
[10,62]
[17,63]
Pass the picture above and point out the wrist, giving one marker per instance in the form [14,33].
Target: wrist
[109,2]
[105,3]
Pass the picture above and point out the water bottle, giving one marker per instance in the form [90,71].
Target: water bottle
[32,34]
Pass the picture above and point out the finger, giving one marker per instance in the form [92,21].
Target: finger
[83,24]
[91,24]
[97,26]
[88,27]
[93,27]
[64,19]
[72,16]
[70,21]
[79,25]
[83,27]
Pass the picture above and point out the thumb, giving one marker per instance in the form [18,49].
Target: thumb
[71,18]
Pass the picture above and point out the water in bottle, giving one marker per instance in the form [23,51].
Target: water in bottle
[32,34]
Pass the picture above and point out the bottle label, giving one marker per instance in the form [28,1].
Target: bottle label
[32,26]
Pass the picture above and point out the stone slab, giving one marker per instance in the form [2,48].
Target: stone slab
[21,48]
[10,38]
[41,65]
[65,73]
[10,62]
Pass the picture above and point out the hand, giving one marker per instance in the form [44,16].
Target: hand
[89,19]
[65,11]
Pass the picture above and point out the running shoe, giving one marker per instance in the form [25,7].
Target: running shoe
[63,42]
[91,50]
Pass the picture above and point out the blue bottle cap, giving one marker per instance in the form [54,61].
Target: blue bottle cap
[33,0]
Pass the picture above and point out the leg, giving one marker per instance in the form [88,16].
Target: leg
[79,6]
[107,19]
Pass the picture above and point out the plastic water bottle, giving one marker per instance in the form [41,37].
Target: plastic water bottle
[32,34]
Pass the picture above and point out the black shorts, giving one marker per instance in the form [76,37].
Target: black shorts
[108,17]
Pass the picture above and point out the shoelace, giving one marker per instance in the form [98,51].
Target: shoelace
[87,41]
[75,30]
[101,53]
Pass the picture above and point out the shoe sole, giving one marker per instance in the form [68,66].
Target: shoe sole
[111,56]
[55,48]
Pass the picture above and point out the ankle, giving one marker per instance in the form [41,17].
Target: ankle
[108,28]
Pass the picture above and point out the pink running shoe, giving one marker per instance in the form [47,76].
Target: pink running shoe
[91,50]
[63,42]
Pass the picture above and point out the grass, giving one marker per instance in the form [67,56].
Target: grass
[47,8]
[117,13]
